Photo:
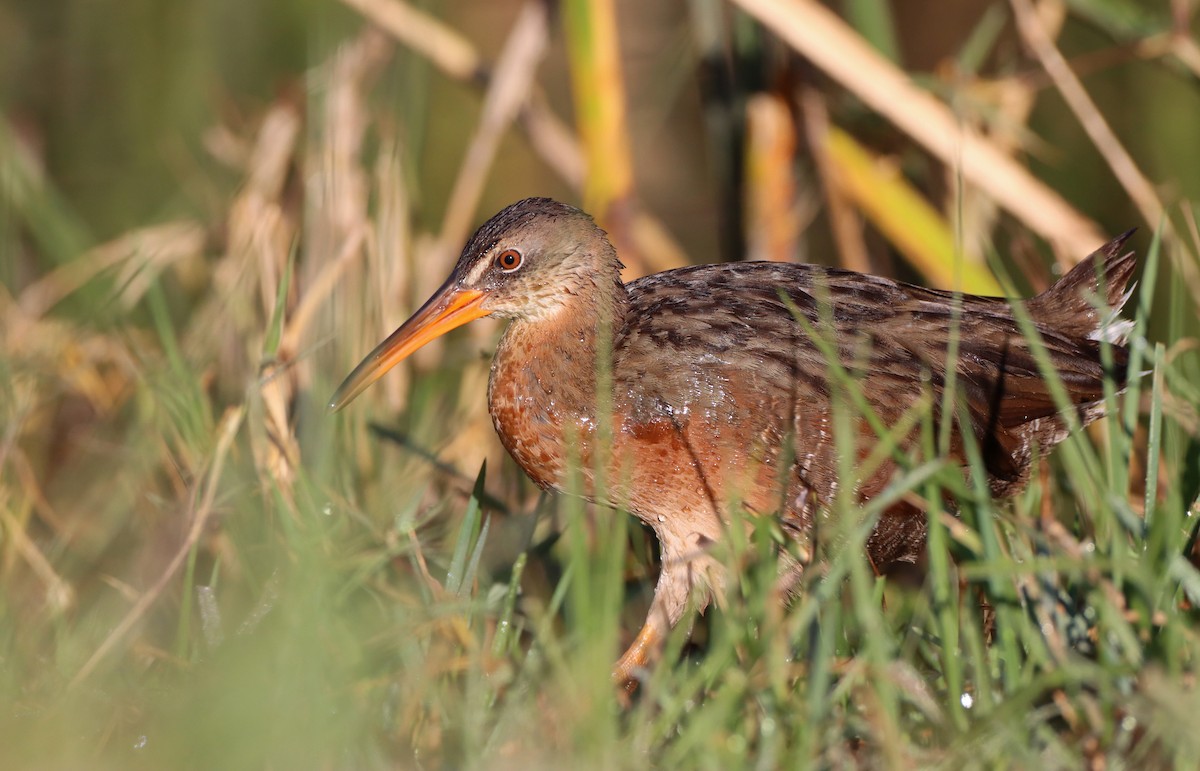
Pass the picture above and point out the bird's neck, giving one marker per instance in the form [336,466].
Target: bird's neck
[544,387]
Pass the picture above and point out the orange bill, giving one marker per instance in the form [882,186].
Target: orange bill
[450,307]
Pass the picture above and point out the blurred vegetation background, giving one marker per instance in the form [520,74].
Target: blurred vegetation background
[210,211]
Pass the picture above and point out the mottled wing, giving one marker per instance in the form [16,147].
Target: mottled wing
[720,344]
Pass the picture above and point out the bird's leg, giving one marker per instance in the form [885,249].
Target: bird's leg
[637,655]
[665,611]
[685,563]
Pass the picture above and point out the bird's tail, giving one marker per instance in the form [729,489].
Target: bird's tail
[1071,306]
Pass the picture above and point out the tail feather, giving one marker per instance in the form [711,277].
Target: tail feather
[1070,305]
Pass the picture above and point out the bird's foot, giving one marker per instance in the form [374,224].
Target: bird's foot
[636,657]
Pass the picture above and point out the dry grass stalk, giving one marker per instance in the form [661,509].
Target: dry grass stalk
[279,455]
[443,46]
[202,509]
[656,246]
[429,37]
[319,289]
[844,222]
[341,188]
[1184,48]
[261,234]
[338,224]
[819,35]
[59,594]
[62,365]
[138,256]
[1122,164]
[261,231]
[549,136]
[772,216]
[554,141]
[390,252]
[29,484]
[600,110]
[1009,103]
[917,229]
[510,89]
[1139,188]
[341,185]
[96,367]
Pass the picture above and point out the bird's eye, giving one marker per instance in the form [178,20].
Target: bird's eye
[509,260]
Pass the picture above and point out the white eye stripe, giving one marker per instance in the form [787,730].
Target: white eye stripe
[478,271]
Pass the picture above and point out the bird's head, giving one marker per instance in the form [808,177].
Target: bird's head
[527,262]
